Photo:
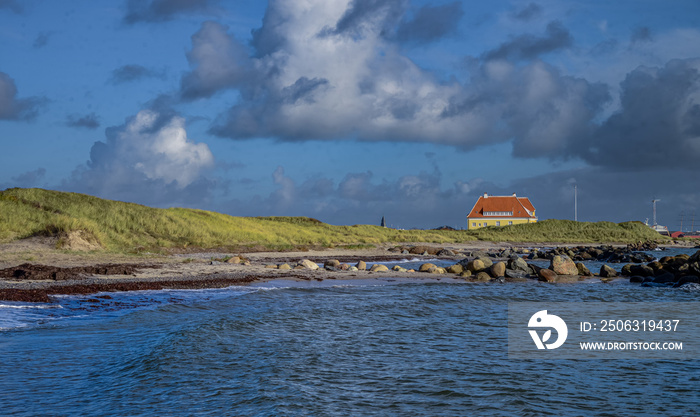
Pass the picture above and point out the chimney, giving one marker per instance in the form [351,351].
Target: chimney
[514,195]
[486,195]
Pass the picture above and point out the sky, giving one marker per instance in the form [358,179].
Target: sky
[350,110]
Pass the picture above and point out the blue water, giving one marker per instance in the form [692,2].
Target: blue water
[333,348]
[386,347]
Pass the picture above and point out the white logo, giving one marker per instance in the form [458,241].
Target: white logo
[542,319]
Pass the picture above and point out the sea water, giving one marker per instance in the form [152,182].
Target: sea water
[381,347]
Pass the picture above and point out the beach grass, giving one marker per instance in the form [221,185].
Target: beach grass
[127,227]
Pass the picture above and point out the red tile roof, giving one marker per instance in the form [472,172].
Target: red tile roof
[519,206]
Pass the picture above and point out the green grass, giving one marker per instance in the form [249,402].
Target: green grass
[128,227]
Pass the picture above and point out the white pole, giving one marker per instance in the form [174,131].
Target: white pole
[575,204]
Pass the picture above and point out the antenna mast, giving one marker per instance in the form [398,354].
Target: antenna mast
[575,203]
[653,202]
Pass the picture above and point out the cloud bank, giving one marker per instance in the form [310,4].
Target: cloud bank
[149,158]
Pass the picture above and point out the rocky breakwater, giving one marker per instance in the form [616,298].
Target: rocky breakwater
[603,253]
[669,271]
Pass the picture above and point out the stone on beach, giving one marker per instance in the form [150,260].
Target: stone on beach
[234,260]
[284,266]
[307,264]
[455,269]
[498,269]
[547,275]
[563,265]
[379,268]
[361,266]
[607,272]
[426,267]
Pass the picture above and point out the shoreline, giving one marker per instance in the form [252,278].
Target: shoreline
[201,270]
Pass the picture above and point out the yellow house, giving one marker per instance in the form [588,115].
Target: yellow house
[492,210]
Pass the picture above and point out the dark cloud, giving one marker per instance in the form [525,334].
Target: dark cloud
[14,108]
[42,40]
[431,23]
[641,34]
[658,124]
[133,72]
[88,121]
[11,5]
[164,10]
[29,178]
[366,15]
[526,47]
[528,13]
[219,61]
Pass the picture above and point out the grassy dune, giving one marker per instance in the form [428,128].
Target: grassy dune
[128,227]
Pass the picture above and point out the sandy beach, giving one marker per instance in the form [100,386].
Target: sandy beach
[41,271]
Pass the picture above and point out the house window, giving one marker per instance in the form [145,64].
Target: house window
[479,224]
[509,223]
[485,223]
[498,213]
[474,224]
[498,223]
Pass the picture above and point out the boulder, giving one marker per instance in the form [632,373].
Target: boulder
[687,279]
[563,265]
[426,267]
[486,260]
[446,253]
[455,269]
[379,268]
[607,272]
[512,273]
[331,263]
[353,268]
[307,264]
[665,278]
[270,266]
[482,276]
[641,270]
[465,273]
[284,266]
[398,269]
[343,267]
[583,270]
[519,264]
[547,275]
[234,260]
[476,265]
[361,266]
[498,269]
[627,270]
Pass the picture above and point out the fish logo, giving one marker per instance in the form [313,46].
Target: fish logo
[543,320]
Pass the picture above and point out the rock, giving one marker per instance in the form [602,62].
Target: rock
[607,272]
[215,263]
[353,268]
[512,273]
[455,269]
[307,264]
[547,275]
[466,273]
[627,270]
[636,279]
[563,265]
[687,279]
[641,270]
[379,268]
[476,265]
[498,269]
[333,263]
[284,266]
[398,269]
[518,264]
[270,266]
[245,262]
[486,260]
[583,270]
[425,267]
[361,266]
[234,260]
[446,253]
[482,276]
[343,267]
[665,278]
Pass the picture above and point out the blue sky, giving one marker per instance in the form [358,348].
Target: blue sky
[350,110]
